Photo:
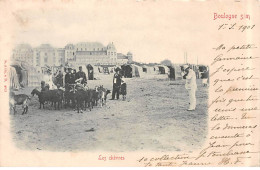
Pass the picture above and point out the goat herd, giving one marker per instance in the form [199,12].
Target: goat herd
[77,97]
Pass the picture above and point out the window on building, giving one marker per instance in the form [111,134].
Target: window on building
[45,59]
[45,54]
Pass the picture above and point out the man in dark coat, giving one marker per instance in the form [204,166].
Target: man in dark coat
[69,78]
[116,84]
[81,74]
[59,78]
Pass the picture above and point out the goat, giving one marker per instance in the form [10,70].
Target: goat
[89,99]
[103,94]
[79,97]
[96,95]
[50,95]
[19,99]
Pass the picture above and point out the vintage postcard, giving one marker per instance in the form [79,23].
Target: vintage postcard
[140,83]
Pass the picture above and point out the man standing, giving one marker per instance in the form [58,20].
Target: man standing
[69,78]
[59,78]
[81,74]
[117,79]
[191,86]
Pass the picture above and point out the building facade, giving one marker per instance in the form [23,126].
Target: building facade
[45,54]
[23,52]
[94,53]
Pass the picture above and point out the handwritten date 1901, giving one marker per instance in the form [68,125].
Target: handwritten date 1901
[235,26]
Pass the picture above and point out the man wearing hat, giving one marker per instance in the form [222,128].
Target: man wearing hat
[81,74]
[117,79]
[59,78]
[69,78]
[191,86]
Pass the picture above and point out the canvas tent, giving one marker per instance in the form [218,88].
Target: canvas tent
[90,72]
[138,70]
[14,81]
[148,69]
[131,70]
[126,71]
[97,71]
[18,70]
[177,71]
[161,69]
[201,69]
[26,74]
[171,74]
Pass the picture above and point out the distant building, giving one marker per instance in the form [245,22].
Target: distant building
[70,52]
[60,53]
[121,59]
[45,54]
[130,57]
[94,53]
[23,52]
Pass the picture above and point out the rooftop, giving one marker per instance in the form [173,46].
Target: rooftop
[121,56]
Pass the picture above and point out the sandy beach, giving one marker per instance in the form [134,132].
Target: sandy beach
[153,118]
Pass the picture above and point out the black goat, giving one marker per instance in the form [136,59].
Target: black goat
[54,96]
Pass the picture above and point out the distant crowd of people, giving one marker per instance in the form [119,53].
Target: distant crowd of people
[73,77]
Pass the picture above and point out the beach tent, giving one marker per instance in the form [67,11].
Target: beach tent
[21,73]
[105,70]
[177,71]
[156,70]
[14,81]
[201,69]
[148,69]
[144,69]
[139,71]
[27,74]
[161,69]
[97,71]
[135,70]
[171,74]
[131,70]
[126,71]
[90,72]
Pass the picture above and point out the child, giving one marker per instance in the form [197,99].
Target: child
[123,89]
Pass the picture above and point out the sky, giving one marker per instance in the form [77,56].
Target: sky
[151,30]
